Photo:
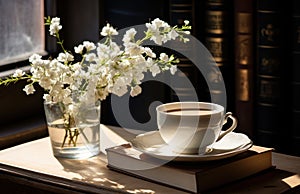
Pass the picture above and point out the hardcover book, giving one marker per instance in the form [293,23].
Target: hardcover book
[179,11]
[218,36]
[270,126]
[244,64]
[295,30]
[190,176]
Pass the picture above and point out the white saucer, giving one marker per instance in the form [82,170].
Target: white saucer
[151,143]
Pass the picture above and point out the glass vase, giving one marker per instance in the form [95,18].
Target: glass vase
[74,130]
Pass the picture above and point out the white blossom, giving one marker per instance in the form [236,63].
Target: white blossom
[55,26]
[18,73]
[154,69]
[102,93]
[156,27]
[46,82]
[138,76]
[172,35]
[119,88]
[149,52]
[34,58]
[47,98]
[149,62]
[65,57]
[129,36]
[89,45]
[136,90]
[90,57]
[108,31]
[173,69]
[157,39]
[133,49]
[29,89]
[164,57]
[78,49]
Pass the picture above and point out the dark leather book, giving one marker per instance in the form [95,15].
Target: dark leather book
[218,39]
[180,10]
[295,30]
[270,85]
[244,37]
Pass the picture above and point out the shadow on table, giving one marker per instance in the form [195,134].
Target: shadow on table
[270,181]
[93,171]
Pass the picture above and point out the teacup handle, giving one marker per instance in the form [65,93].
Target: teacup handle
[231,128]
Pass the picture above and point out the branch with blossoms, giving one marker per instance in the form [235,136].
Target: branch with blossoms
[104,68]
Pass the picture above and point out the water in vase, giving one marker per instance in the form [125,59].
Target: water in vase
[78,142]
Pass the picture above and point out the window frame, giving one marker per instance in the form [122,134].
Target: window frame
[50,8]
[22,116]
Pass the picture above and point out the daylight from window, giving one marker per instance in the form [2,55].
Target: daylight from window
[21,29]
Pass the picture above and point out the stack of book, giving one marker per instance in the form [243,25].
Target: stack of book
[189,176]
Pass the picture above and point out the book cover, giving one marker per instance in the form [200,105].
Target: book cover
[218,38]
[270,67]
[190,176]
[179,11]
[244,64]
[295,55]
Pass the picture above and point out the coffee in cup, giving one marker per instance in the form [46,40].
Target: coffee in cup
[191,127]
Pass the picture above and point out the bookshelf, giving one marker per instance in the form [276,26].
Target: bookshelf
[251,46]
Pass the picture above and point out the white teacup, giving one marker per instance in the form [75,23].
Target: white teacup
[191,127]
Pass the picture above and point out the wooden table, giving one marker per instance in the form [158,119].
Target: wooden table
[31,168]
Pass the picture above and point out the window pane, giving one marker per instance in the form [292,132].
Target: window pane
[21,29]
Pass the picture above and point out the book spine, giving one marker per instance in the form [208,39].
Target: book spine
[244,64]
[295,30]
[269,74]
[179,11]
[218,39]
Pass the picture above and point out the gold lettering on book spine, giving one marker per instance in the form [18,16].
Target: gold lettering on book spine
[243,93]
[215,76]
[215,46]
[269,65]
[215,2]
[215,22]
[244,23]
[244,50]
[269,89]
[266,89]
[298,34]
[269,32]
